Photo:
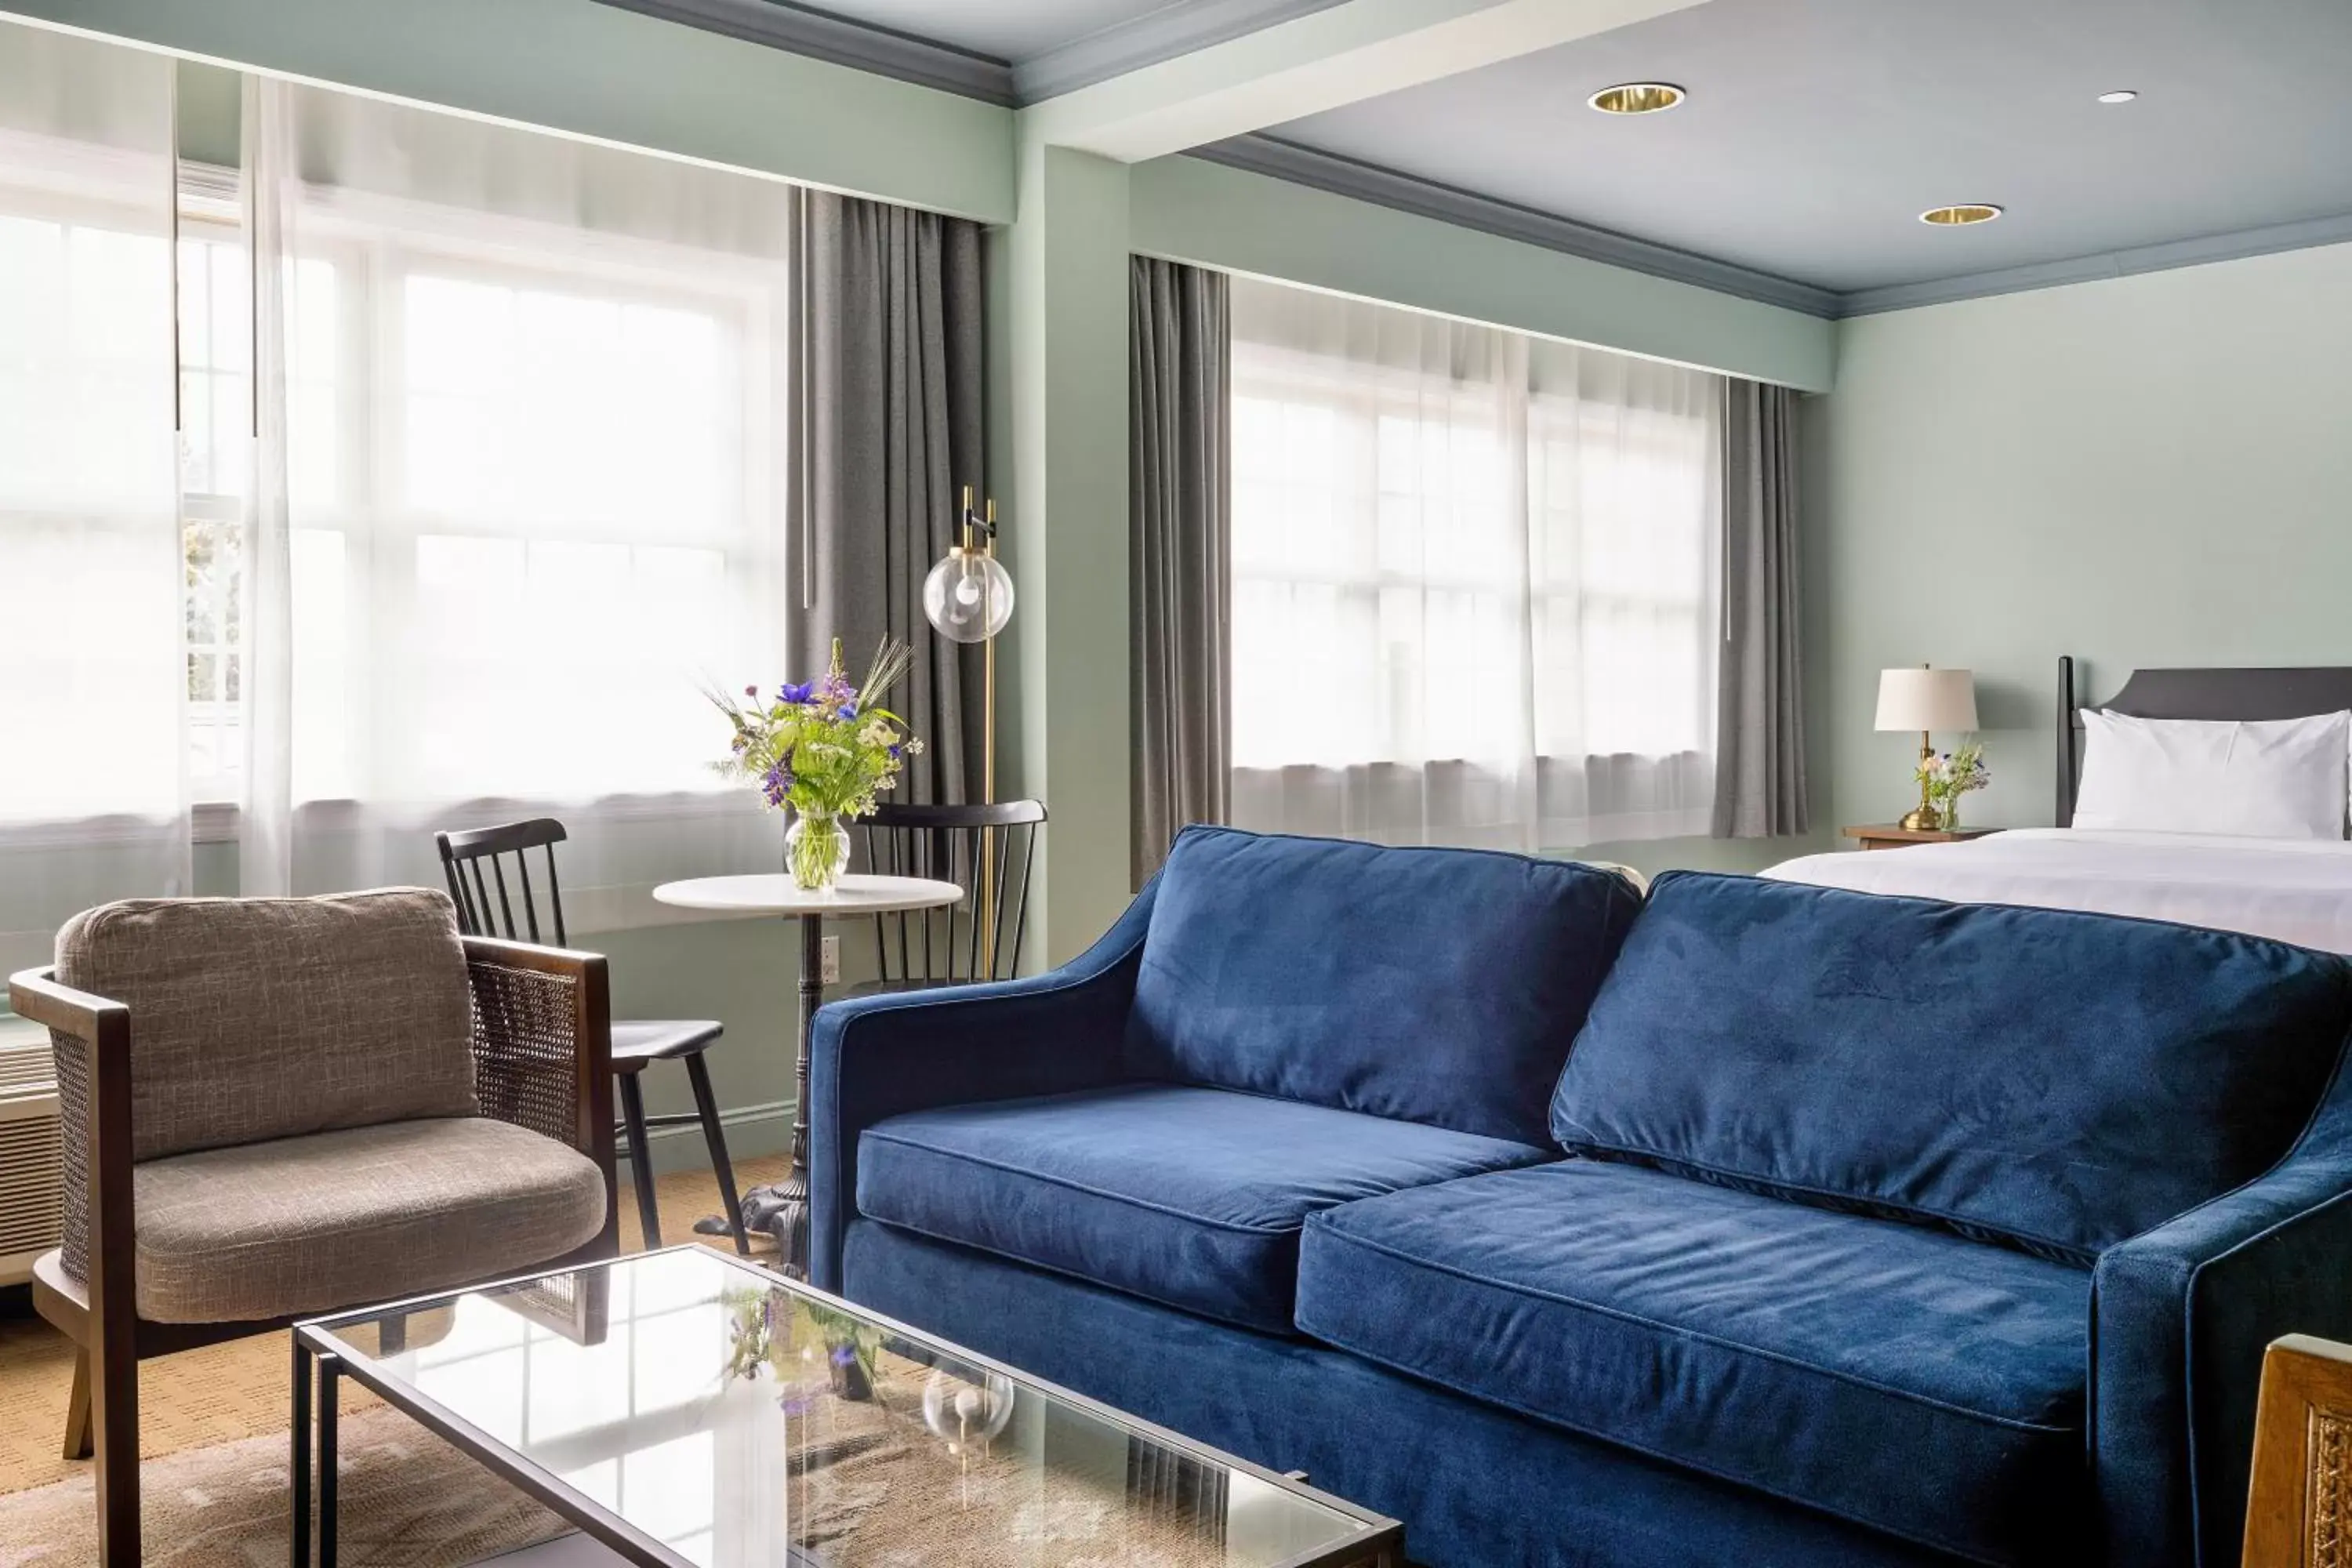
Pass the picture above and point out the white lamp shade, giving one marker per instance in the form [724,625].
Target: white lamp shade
[1926,700]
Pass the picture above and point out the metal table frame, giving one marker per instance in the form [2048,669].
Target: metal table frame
[319,1354]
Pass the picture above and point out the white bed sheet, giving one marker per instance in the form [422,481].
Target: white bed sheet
[2296,889]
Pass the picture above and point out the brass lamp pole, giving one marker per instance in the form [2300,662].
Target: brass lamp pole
[967,598]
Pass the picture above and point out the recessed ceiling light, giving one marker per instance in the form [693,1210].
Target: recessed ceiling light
[1966,213]
[2120,94]
[1637,97]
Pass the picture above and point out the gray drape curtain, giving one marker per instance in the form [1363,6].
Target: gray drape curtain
[1759,780]
[888,404]
[1180,526]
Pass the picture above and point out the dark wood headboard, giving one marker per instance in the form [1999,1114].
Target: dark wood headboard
[2195,694]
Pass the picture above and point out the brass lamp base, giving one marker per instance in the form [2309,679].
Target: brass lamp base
[1926,818]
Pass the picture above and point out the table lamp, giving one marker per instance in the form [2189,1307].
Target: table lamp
[1926,700]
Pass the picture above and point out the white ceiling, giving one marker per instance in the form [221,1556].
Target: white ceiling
[1815,132]
[1817,129]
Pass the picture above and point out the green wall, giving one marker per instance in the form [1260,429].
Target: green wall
[608,74]
[1188,209]
[2145,470]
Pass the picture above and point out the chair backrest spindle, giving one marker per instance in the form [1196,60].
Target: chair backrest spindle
[474,863]
[977,938]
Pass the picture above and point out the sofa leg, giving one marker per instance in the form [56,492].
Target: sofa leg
[114,1421]
[78,1408]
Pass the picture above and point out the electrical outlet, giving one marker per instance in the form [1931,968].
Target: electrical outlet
[829,966]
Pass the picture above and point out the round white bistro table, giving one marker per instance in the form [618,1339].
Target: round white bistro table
[774,893]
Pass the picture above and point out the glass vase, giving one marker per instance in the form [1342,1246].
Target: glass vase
[1951,813]
[816,851]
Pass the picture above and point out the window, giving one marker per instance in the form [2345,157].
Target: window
[87,590]
[216,309]
[1474,581]
[522,524]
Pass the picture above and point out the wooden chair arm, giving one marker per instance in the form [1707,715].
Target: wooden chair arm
[542,1014]
[2302,1484]
[37,996]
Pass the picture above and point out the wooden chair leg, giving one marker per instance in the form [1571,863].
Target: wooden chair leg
[78,1409]
[641,1165]
[114,1417]
[714,1137]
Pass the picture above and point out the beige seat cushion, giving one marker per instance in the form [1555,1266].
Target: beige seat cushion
[354,1217]
[261,1018]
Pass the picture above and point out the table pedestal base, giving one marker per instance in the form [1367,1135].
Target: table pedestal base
[779,1211]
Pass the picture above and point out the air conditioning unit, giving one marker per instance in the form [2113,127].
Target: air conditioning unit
[28,1152]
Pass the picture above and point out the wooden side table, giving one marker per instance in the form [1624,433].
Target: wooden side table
[1887,836]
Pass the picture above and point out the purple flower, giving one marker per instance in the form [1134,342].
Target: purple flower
[795,696]
[751,691]
[893,754]
[848,710]
[842,1355]
[777,783]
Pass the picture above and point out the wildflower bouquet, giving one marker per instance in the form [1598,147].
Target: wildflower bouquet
[825,749]
[1952,775]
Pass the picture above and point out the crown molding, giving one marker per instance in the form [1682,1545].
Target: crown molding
[781,25]
[1148,39]
[1426,198]
[2234,245]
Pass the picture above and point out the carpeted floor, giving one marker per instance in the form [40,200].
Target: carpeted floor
[225,1393]
[408,1502]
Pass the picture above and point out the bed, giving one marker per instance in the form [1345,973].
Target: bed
[2297,890]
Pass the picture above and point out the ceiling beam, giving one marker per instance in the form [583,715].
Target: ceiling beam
[1340,55]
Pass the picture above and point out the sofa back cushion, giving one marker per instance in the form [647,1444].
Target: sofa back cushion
[2055,1080]
[260,1018]
[1433,986]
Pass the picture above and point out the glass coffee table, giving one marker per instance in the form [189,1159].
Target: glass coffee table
[686,1407]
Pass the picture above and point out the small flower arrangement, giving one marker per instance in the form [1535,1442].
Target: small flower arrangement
[1952,775]
[825,749]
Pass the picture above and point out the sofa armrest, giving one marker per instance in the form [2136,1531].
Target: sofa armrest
[543,1048]
[2180,1318]
[873,1058]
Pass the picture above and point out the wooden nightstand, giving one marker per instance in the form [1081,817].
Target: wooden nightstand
[1887,836]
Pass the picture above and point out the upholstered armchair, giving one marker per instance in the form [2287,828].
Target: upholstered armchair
[275,1108]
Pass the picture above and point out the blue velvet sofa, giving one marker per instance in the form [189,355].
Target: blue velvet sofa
[1747,1223]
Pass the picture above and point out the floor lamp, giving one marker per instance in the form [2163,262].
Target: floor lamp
[967,598]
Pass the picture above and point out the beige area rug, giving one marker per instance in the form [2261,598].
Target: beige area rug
[223,1392]
[407,1498]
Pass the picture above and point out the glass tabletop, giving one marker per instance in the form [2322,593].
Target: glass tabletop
[725,1416]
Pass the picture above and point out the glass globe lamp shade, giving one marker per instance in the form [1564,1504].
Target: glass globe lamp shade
[968,597]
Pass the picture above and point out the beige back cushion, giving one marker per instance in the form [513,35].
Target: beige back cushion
[261,1018]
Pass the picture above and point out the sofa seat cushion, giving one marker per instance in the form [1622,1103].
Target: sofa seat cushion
[2057,1080]
[1893,1374]
[1436,986]
[354,1217]
[1189,1197]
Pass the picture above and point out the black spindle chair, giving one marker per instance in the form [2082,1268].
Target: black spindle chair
[978,939]
[476,863]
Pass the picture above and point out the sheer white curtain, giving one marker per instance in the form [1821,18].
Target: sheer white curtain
[93,795]
[519,496]
[1474,581]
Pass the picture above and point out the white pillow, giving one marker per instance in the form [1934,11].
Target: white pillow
[2281,778]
